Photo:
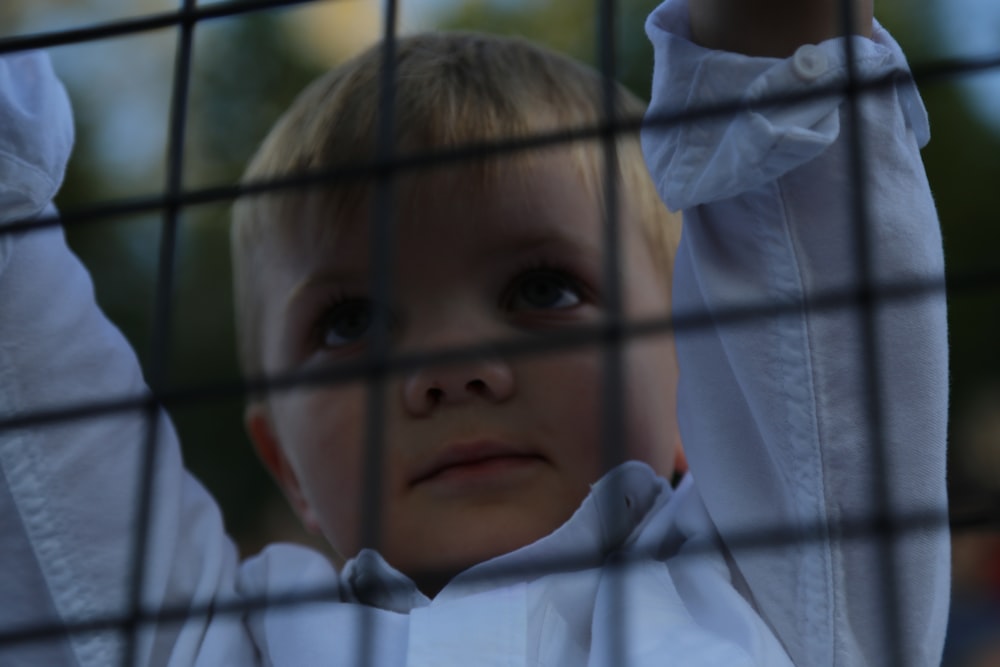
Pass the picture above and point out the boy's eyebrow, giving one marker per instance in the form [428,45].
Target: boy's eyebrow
[325,277]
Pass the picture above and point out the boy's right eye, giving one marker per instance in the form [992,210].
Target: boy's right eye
[343,323]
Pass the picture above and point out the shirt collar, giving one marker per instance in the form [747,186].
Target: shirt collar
[607,520]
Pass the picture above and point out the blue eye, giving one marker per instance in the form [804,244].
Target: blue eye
[344,323]
[543,289]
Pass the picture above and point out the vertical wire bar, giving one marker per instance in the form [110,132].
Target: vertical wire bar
[380,258]
[884,523]
[162,319]
[612,409]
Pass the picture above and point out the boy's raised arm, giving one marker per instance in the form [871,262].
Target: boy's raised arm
[68,486]
[773,27]
[785,432]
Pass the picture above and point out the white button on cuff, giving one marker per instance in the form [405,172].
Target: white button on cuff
[809,62]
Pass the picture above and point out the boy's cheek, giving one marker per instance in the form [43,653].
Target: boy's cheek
[563,393]
[314,416]
[322,431]
[571,379]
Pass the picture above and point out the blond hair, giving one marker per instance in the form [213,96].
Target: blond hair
[450,90]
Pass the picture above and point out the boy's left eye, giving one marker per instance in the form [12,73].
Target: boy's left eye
[543,289]
[345,322]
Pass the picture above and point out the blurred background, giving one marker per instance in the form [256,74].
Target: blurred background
[248,68]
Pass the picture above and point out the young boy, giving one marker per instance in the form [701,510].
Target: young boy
[502,540]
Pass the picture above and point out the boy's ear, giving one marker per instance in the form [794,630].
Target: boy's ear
[258,424]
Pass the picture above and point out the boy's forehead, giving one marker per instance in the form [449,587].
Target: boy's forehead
[521,205]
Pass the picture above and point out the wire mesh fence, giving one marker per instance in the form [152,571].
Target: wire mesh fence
[381,361]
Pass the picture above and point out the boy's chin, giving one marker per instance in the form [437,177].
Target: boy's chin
[442,564]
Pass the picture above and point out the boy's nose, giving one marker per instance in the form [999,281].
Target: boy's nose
[432,386]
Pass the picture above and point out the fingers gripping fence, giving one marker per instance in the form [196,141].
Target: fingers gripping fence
[379,362]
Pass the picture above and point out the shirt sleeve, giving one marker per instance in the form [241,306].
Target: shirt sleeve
[69,477]
[802,418]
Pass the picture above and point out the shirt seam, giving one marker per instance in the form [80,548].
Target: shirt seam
[809,373]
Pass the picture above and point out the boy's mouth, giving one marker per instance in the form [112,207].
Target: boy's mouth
[471,460]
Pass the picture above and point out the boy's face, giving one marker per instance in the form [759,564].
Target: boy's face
[481,456]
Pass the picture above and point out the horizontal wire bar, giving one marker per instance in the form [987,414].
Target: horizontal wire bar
[163,312]
[467,152]
[145,23]
[889,292]
[756,538]
[951,68]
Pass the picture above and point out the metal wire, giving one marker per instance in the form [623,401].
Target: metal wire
[162,319]
[870,353]
[614,333]
[380,277]
[121,27]
[612,363]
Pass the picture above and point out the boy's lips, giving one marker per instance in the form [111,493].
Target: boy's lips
[473,457]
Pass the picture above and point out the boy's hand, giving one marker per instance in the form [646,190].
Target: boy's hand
[773,27]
